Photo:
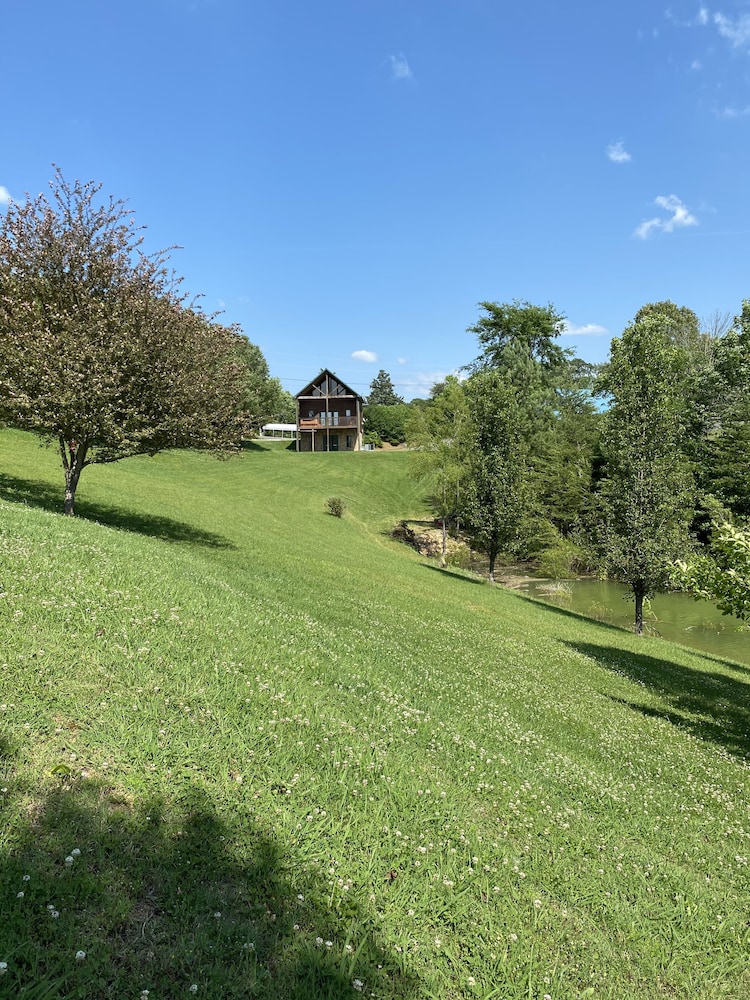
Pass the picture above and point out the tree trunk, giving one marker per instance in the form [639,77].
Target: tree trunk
[445,544]
[73,457]
[638,594]
[493,556]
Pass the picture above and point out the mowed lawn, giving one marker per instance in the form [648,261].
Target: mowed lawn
[251,749]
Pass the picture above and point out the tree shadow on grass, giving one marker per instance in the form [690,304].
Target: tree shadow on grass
[455,574]
[35,493]
[574,616]
[166,898]
[711,705]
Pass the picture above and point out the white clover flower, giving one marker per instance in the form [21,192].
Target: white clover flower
[3,968]
[329,944]
[80,955]
[194,988]
[217,915]
[20,895]
[69,860]
[358,985]
[76,854]
[26,878]
[319,941]
[54,914]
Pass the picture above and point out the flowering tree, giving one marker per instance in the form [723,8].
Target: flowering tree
[100,354]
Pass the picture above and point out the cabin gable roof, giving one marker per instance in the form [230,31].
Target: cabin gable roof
[327,384]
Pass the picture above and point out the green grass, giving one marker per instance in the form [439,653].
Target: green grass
[300,761]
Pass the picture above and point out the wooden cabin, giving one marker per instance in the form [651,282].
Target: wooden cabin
[329,415]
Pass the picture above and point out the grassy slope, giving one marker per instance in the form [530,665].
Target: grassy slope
[379,774]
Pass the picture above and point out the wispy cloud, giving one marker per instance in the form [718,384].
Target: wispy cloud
[4,195]
[420,383]
[368,356]
[680,216]
[617,153]
[587,330]
[737,31]
[403,361]
[730,112]
[400,69]
[702,18]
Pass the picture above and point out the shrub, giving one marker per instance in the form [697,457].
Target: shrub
[336,506]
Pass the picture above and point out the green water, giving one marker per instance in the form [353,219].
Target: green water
[673,616]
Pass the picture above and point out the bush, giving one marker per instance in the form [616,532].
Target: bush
[336,506]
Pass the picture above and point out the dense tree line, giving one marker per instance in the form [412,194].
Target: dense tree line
[637,470]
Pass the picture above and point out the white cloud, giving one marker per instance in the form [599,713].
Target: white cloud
[702,17]
[403,361]
[680,217]
[368,356]
[737,32]
[617,153]
[696,65]
[587,330]
[4,195]
[400,69]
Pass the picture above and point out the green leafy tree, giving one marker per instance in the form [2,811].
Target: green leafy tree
[387,421]
[723,573]
[100,354]
[382,392]
[436,434]
[723,469]
[646,494]
[265,399]
[556,416]
[520,340]
[498,476]
[564,455]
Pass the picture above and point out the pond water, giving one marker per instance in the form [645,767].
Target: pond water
[674,616]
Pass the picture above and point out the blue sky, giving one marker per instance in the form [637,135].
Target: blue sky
[347,179]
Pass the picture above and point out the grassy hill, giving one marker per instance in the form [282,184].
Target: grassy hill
[300,761]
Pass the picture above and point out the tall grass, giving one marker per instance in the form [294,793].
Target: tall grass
[298,760]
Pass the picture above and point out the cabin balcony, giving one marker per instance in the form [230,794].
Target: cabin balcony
[322,423]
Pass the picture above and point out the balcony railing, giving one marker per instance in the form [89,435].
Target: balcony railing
[321,423]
